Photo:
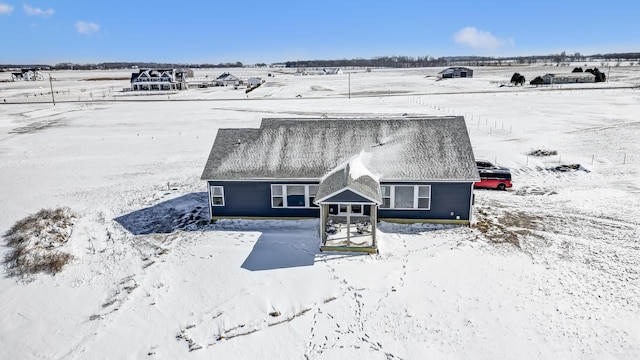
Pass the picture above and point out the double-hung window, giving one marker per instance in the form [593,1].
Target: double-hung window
[293,195]
[406,197]
[217,196]
[313,190]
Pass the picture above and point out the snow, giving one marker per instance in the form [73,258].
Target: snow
[358,167]
[549,269]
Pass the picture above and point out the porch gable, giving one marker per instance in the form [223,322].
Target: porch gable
[346,195]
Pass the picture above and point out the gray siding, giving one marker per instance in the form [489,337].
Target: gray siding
[445,198]
[253,199]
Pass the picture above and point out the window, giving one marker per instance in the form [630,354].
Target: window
[403,198]
[313,190]
[277,199]
[356,209]
[296,196]
[424,197]
[293,195]
[217,196]
[406,197]
[386,196]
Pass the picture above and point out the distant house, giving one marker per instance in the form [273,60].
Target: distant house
[27,75]
[254,82]
[570,78]
[394,169]
[456,72]
[226,79]
[332,71]
[159,79]
[323,71]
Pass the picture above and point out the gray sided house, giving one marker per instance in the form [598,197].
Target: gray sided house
[393,169]
[160,79]
[226,79]
[570,78]
[456,72]
[27,75]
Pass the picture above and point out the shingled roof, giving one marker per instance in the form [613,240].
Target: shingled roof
[400,149]
[352,175]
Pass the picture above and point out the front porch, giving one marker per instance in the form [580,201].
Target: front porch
[347,231]
[348,198]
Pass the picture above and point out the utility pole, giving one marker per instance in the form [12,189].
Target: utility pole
[53,99]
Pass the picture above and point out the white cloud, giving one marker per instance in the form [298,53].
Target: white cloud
[87,28]
[36,11]
[5,9]
[478,39]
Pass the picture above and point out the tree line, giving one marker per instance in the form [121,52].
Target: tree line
[121,65]
[376,62]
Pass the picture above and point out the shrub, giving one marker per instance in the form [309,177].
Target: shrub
[34,240]
[537,81]
[542,152]
[518,79]
[600,76]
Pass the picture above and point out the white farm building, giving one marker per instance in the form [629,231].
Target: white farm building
[571,78]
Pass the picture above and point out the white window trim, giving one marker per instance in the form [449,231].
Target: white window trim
[212,194]
[307,203]
[416,197]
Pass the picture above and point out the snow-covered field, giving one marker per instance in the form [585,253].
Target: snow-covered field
[549,269]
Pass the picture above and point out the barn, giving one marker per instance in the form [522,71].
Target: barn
[355,171]
[456,72]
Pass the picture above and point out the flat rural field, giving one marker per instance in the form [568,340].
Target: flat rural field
[548,270]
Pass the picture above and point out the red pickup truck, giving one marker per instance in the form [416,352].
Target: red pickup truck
[492,176]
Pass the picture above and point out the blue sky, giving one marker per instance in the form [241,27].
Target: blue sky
[51,32]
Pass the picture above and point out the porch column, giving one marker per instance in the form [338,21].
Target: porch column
[374,221]
[323,224]
[349,225]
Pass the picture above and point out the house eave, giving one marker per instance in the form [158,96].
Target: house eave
[319,201]
[382,180]
[317,180]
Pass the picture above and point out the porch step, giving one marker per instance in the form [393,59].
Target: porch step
[364,249]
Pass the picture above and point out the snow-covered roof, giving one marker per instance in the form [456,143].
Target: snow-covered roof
[353,175]
[572,75]
[402,149]
[452,69]
[226,76]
